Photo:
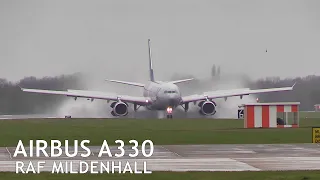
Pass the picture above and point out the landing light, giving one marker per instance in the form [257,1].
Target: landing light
[169,110]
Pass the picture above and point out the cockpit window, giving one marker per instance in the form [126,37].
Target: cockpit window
[170,92]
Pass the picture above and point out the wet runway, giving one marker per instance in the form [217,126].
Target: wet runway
[27,116]
[259,157]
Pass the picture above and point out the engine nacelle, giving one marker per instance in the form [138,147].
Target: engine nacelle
[119,108]
[207,107]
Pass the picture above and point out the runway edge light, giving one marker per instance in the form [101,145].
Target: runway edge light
[315,134]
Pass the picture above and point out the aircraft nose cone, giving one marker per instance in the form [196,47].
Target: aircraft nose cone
[172,102]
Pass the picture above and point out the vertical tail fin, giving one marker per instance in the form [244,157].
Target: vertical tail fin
[150,63]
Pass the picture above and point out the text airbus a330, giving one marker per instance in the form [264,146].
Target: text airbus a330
[159,95]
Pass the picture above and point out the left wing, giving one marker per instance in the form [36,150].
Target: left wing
[94,95]
[229,93]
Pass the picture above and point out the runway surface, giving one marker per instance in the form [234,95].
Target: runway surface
[259,157]
[27,116]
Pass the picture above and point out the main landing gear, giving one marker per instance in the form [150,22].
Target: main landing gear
[169,112]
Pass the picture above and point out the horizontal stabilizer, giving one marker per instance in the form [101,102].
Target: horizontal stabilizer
[180,81]
[126,82]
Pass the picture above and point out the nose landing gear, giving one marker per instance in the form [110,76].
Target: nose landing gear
[169,112]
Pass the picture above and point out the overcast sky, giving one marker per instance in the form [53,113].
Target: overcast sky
[109,38]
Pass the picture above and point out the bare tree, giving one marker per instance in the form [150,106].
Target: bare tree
[213,71]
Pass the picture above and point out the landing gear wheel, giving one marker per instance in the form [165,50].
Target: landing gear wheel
[169,116]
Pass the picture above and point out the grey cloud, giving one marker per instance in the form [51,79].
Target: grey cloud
[108,39]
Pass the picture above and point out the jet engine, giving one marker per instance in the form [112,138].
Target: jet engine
[119,108]
[207,107]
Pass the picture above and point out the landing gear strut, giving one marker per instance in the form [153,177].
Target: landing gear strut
[185,107]
[136,107]
[169,112]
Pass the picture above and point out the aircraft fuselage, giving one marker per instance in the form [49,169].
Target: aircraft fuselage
[163,95]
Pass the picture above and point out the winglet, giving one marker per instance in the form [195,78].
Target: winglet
[294,84]
[21,88]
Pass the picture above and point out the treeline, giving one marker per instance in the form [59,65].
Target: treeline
[14,101]
[306,91]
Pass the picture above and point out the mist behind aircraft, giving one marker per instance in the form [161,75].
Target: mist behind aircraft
[225,109]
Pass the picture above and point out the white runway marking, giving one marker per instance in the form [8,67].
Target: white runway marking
[284,163]
[216,164]
[175,153]
[9,153]
[221,157]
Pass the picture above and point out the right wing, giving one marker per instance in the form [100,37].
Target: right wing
[93,95]
[231,93]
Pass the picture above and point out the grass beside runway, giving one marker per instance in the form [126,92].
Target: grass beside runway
[160,131]
[283,175]
[309,115]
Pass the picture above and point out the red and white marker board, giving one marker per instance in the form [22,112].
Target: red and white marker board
[264,115]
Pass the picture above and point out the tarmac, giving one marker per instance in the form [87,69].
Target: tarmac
[27,116]
[233,157]
[258,157]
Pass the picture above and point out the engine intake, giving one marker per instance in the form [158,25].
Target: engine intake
[207,108]
[119,109]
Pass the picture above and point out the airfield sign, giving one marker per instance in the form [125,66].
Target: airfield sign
[315,134]
[240,114]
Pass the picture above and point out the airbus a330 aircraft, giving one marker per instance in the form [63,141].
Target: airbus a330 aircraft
[159,95]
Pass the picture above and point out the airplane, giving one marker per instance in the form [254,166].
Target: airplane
[159,95]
